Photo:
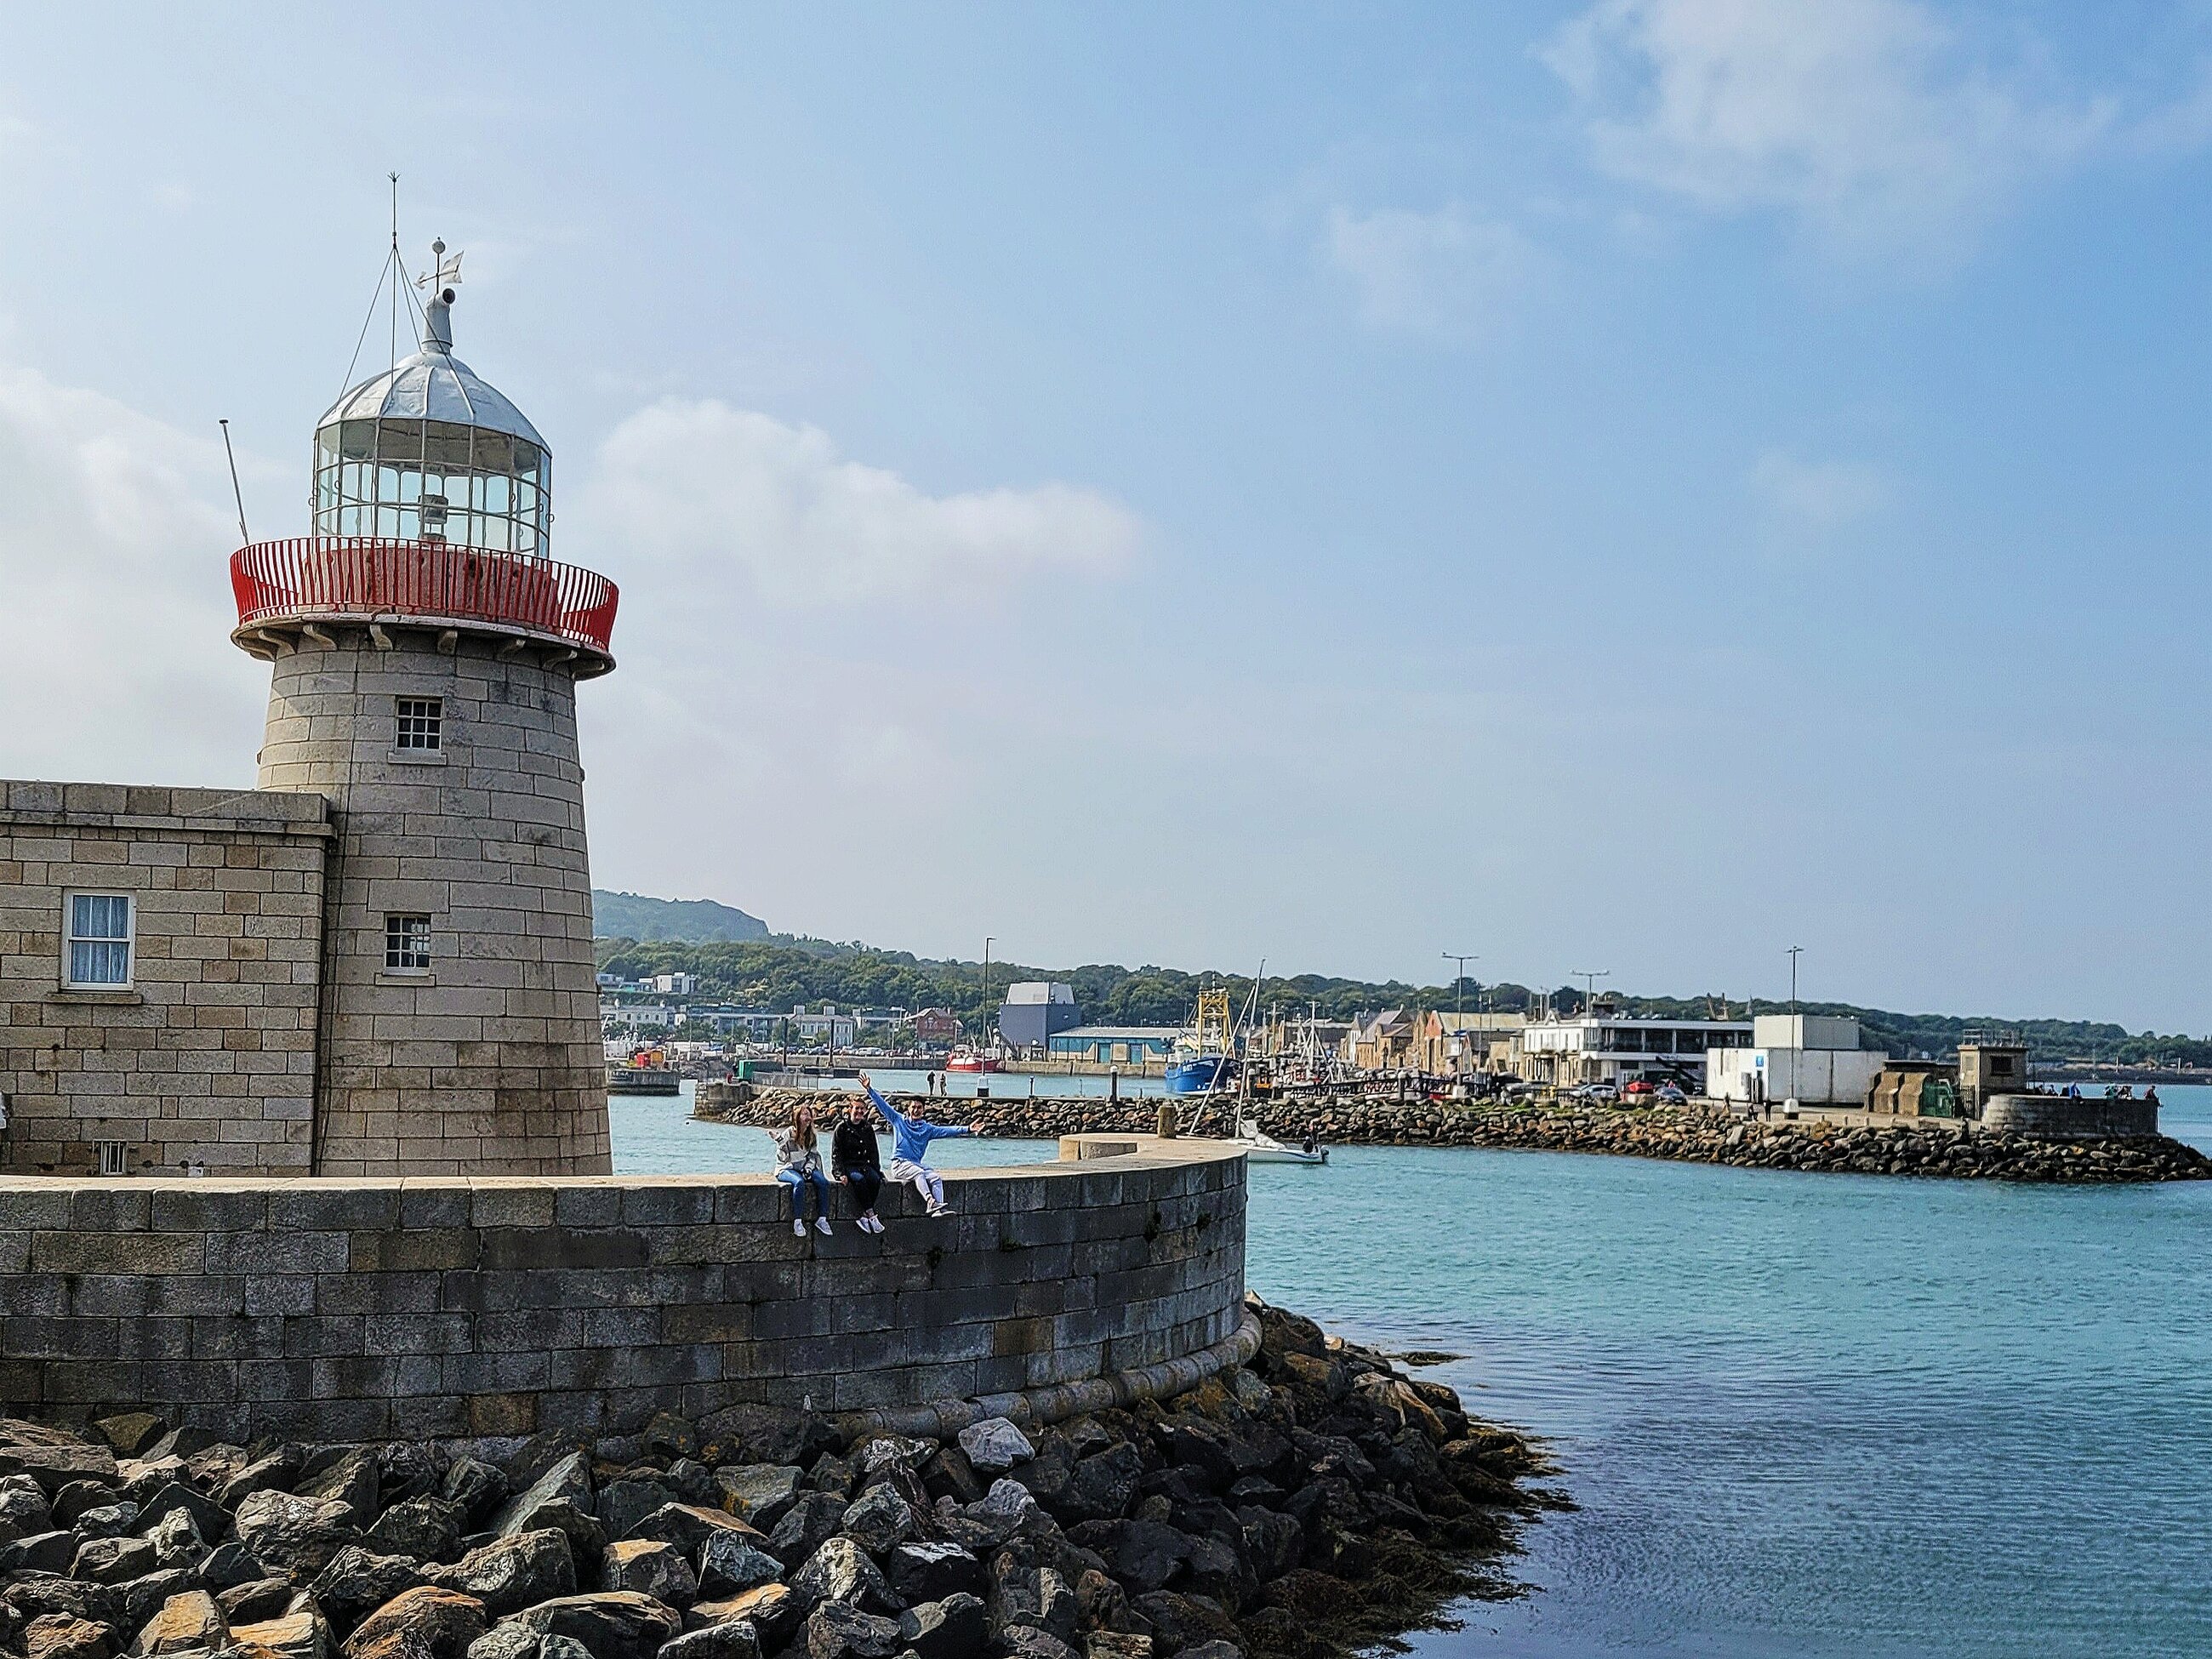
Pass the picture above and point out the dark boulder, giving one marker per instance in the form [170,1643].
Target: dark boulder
[926,1569]
[765,1434]
[74,1499]
[210,1518]
[612,1623]
[422,1622]
[356,1582]
[265,1598]
[476,1487]
[730,1562]
[1182,1621]
[350,1478]
[62,1636]
[838,1630]
[52,1457]
[274,1473]
[810,1521]
[758,1492]
[112,1560]
[661,1571]
[567,1482]
[880,1519]
[1028,1642]
[841,1571]
[510,1574]
[625,1502]
[230,1563]
[1100,1487]
[299,1535]
[733,1638]
[950,1628]
[688,1526]
[42,1551]
[427,1528]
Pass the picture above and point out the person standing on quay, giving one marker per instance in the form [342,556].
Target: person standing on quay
[910,1139]
[854,1161]
[799,1166]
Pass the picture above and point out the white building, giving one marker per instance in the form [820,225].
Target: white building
[1615,1048]
[1813,1058]
[637,1017]
[675,985]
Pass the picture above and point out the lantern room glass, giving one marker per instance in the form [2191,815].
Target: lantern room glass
[372,477]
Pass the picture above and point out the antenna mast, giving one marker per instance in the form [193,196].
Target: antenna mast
[244,539]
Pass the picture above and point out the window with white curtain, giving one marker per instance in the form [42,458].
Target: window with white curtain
[96,942]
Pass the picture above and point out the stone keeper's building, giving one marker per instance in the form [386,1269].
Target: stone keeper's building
[378,962]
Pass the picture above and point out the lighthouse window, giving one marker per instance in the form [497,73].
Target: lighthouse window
[96,955]
[419,719]
[407,943]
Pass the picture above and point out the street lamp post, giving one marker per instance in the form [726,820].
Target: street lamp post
[1589,979]
[984,1023]
[1459,996]
[1795,951]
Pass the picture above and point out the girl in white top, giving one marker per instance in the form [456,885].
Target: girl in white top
[798,1163]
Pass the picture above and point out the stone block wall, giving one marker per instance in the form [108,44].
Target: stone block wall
[210,1051]
[490,1061]
[460,1308]
[2055,1117]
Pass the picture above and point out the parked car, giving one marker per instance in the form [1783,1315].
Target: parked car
[1669,1095]
[1597,1094]
[1640,1087]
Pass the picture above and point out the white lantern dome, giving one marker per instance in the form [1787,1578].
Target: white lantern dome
[430,451]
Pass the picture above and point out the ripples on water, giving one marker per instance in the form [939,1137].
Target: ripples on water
[1804,1415]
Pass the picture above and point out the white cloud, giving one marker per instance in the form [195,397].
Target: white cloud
[1866,119]
[114,647]
[1819,496]
[729,503]
[1442,274]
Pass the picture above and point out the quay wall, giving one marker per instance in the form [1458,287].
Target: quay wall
[467,1308]
[2055,1117]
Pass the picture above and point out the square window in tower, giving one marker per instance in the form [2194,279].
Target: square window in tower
[407,943]
[421,720]
[96,947]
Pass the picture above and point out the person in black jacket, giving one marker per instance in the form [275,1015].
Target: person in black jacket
[856,1162]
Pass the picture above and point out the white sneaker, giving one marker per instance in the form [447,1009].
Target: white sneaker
[798,1228]
[822,1224]
[940,1209]
[868,1223]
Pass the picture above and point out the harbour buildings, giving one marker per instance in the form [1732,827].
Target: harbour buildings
[1813,1058]
[1617,1048]
[1036,1010]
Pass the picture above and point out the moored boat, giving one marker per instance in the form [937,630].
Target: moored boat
[970,1059]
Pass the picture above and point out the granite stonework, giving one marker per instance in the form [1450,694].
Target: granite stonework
[210,1051]
[489,1060]
[458,1308]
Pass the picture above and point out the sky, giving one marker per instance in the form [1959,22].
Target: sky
[1630,486]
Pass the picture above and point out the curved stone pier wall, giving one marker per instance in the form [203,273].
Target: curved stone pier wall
[2055,1117]
[451,1307]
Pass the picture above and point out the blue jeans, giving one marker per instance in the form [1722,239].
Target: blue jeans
[799,1184]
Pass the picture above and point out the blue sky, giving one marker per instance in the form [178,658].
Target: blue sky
[1634,486]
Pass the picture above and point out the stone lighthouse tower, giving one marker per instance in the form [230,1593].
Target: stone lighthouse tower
[425,651]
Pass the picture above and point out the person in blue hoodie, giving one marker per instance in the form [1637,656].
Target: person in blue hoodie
[910,1139]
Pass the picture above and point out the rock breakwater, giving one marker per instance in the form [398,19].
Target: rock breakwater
[1316,1498]
[1916,1146]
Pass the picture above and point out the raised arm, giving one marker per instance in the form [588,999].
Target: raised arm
[890,1112]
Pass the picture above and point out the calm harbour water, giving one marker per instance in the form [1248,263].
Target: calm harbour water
[1802,1414]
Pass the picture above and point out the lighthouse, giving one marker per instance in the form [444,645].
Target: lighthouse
[425,650]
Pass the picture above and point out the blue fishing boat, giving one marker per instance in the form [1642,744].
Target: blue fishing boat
[1196,1074]
[1204,1058]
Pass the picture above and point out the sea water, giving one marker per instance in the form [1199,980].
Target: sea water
[1799,1414]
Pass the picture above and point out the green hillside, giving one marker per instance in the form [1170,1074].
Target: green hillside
[633,915]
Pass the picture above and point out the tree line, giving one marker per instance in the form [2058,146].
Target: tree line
[783,972]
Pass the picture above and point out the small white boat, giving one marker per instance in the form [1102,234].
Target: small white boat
[1263,1148]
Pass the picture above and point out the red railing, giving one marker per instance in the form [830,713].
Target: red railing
[365,577]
